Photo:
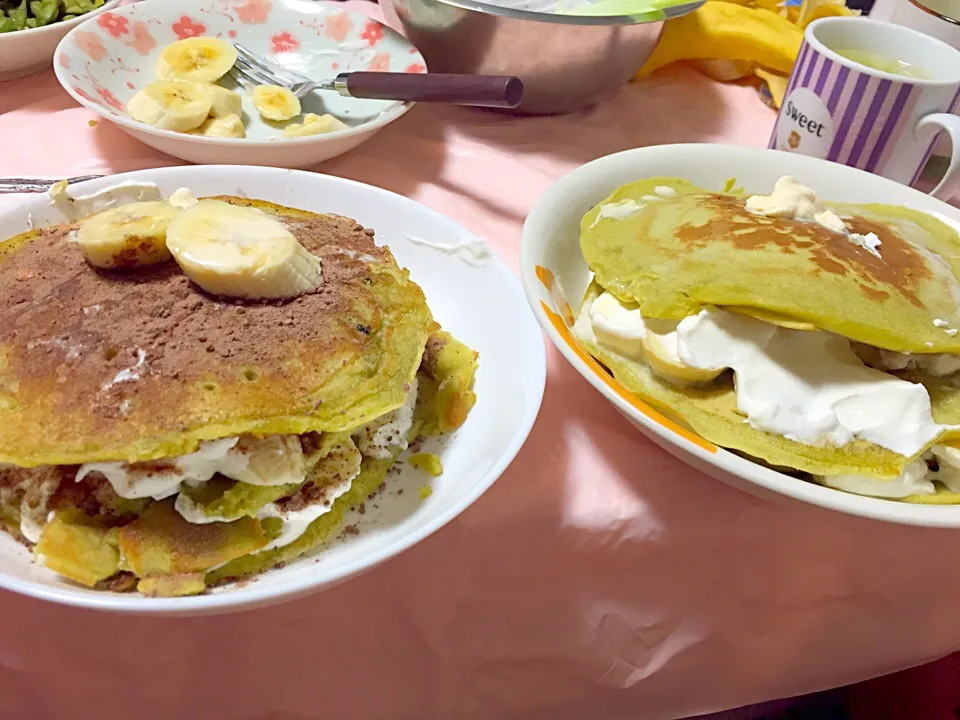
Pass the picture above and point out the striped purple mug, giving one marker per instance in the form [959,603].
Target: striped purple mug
[850,113]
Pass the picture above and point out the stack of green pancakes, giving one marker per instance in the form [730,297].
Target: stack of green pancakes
[828,350]
[156,437]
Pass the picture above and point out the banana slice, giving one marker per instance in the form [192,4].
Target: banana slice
[314,125]
[275,102]
[224,102]
[228,126]
[241,252]
[660,351]
[177,106]
[128,236]
[271,460]
[200,59]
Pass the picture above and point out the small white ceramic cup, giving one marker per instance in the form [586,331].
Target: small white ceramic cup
[840,110]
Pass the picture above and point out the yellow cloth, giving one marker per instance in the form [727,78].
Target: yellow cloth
[734,39]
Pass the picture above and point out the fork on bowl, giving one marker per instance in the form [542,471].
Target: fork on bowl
[495,91]
[36,185]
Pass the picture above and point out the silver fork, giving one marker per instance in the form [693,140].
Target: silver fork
[499,91]
[37,185]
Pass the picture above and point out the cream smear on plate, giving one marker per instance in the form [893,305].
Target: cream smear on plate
[472,252]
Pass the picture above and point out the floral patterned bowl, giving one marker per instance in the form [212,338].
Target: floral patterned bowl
[102,63]
[25,52]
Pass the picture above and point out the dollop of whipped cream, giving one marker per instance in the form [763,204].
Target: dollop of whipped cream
[792,199]
[869,242]
[622,209]
[272,460]
[617,210]
[383,435]
[182,198]
[808,386]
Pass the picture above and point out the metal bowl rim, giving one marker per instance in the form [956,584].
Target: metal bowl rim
[589,20]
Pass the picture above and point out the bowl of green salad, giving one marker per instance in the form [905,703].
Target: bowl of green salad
[31,29]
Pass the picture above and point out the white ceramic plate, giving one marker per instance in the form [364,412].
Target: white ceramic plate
[483,306]
[25,52]
[103,63]
[550,258]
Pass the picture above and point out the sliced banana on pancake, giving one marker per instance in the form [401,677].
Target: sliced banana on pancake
[200,59]
[650,339]
[660,352]
[128,236]
[241,252]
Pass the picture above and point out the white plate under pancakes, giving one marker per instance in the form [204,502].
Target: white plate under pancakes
[553,270]
[473,295]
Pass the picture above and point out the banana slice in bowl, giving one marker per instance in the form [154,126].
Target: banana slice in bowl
[199,59]
[179,105]
[191,49]
[224,102]
[275,103]
[228,126]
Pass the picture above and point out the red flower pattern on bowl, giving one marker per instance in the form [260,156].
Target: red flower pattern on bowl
[110,99]
[284,42]
[254,12]
[372,32]
[112,57]
[379,63]
[84,94]
[91,44]
[338,27]
[142,40]
[187,27]
[116,25]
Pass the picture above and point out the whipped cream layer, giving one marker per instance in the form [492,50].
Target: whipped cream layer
[806,386]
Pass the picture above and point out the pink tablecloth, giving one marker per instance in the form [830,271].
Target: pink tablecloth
[599,578]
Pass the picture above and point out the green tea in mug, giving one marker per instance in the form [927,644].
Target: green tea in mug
[884,63]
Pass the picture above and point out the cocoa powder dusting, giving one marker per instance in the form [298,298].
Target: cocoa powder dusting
[309,494]
[108,336]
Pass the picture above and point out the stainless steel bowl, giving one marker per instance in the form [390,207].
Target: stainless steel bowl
[566,62]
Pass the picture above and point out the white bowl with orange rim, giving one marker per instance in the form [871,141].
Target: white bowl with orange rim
[555,278]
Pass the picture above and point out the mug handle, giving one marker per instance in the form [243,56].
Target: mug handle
[950,183]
